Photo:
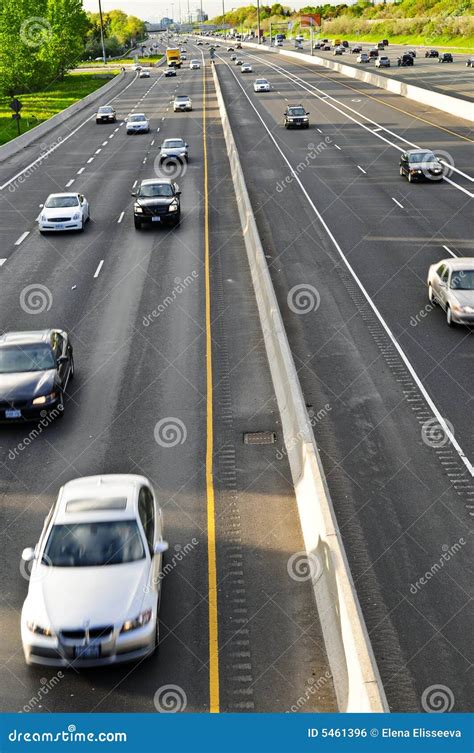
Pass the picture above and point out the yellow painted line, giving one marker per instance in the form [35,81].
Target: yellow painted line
[362,93]
[211,518]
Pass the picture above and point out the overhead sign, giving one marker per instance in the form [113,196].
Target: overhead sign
[310,19]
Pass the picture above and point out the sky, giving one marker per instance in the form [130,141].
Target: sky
[156,9]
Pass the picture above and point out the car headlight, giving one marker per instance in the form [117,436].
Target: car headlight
[44,218]
[45,399]
[39,630]
[138,209]
[138,622]
[76,216]
[173,207]
[305,118]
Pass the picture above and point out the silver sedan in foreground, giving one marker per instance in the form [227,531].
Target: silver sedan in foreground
[451,285]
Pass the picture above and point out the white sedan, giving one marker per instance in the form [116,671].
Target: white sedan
[194,65]
[96,573]
[246,68]
[261,85]
[63,211]
[138,123]
[182,103]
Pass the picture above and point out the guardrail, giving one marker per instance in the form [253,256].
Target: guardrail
[355,674]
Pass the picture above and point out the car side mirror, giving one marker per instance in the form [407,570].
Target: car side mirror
[186,145]
[160,547]
[28,554]
[62,359]
[134,193]
[41,206]
[307,113]
[178,192]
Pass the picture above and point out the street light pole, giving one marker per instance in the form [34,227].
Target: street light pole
[258,21]
[102,33]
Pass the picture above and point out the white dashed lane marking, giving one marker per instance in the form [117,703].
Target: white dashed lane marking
[22,237]
[121,217]
[79,172]
[70,182]
[362,169]
[97,271]
[397,202]
[91,159]
[2,262]
[446,248]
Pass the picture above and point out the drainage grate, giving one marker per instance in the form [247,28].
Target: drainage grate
[260,437]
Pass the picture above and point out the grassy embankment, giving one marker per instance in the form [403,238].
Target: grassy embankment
[123,61]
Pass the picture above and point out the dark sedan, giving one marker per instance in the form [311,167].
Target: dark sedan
[405,60]
[431,54]
[420,164]
[446,57]
[157,202]
[35,368]
[106,114]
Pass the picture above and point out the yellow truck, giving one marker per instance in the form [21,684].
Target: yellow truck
[173,57]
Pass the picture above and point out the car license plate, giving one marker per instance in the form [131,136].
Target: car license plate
[60,225]
[156,219]
[13,413]
[88,652]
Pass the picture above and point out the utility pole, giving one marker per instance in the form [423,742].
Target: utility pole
[223,17]
[104,58]
[258,21]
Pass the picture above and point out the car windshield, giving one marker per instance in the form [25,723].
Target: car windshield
[19,358]
[105,109]
[58,202]
[155,189]
[173,143]
[182,98]
[261,81]
[114,542]
[136,118]
[462,279]
[296,111]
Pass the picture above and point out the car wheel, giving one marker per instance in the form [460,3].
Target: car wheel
[449,317]
[431,295]
[137,223]
[410,178]
[83,225]
[401,172]
[71,369]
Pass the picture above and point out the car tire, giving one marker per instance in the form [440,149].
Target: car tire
[410,178]
[137,223]
[71,369]
[449,317]
[402,174]
[431,295]
[83,225]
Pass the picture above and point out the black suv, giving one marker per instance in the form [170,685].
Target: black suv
[431,54]
[35,368]
[295,116]
[405,59]
[446,57]
[157,202]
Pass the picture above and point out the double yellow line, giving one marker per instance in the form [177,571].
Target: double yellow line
[211,518]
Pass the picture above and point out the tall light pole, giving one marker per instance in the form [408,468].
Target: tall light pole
[223,17]
[258,21]
[102,33]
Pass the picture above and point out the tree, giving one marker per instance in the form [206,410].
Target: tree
[65,45]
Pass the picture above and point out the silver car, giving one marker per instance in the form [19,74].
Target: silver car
[174,149]
[451,285]
[138,123]
[182,103]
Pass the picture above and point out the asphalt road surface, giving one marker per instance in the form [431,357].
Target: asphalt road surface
[148,312]
[349,243]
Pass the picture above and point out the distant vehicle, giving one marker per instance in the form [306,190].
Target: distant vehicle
[35,368]
[345,43]
[373,53]
[261,85]
[173,57]
[105,114]
[174,149]
[280,37]
[338,50]
[327,47]
[380,46]
[233,57]
[316,45]
[363,58]
[136,67]
[451,285]
[194,65]
[336,42]
[470,62]
[63,211]
[230,49]
[382,62]
[246,68]
[183,49]
[199,43]
[279,43]
[295,116]
[239,62]
[144,73]
[95,587]
[446,57]
[385,41]
[238,46]
[137,123]
[405,60]
[412,53]
[182,103]
[170,72]
[431,54]
[356,49]
[157,201]
[420,164]
[184,56]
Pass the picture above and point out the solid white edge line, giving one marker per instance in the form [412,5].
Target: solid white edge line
[97,271]
[374,308]
[22,237]
[2,262]
[121,217]
[362,170]
[397,202]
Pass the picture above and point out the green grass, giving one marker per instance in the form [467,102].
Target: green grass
[459,45]
[42,105]
[122,61]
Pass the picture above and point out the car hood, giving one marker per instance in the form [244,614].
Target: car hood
[137,123]
[182,102]
[27,385]
[60,211]
[465,297]
[169,150]
[155,201]
[422,166]
[67,597]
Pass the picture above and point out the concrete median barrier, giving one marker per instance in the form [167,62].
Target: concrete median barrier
[355,674]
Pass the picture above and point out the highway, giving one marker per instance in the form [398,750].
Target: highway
[165,329]
[335,216]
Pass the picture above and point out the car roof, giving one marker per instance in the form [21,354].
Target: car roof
[32,337]
[173,138]
[460,262]
[62,195]
[155,181]
[419,151]
[139,114]
[94,491]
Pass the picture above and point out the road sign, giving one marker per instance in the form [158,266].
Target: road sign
[310,19]
[15,105]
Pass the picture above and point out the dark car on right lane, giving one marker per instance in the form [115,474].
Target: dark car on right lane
[420,164]
[431,54]
[405,60]
[446,57]
[157,201]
